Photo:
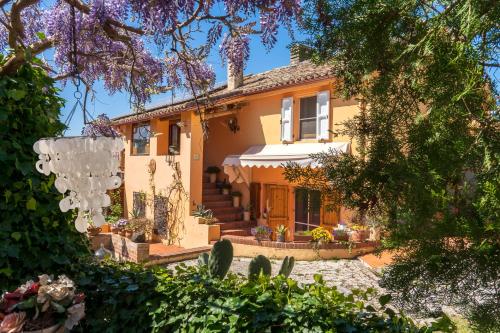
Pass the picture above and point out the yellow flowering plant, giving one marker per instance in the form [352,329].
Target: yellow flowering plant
[321,234]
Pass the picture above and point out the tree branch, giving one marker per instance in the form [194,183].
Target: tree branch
[17,31]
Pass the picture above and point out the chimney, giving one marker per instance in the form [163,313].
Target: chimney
[299,52]
[234,76]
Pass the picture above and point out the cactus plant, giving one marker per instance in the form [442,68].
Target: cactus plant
[220,258]
[287,266]
[257,265]
[203,259]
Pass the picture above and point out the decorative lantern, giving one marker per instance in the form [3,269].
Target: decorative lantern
[85,167]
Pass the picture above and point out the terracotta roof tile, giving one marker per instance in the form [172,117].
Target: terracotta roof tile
[276,78]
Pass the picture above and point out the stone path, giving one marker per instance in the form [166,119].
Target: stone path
[344,274]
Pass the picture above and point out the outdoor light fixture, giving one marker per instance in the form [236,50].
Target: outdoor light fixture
[181,124]
[232,123]
[86,168]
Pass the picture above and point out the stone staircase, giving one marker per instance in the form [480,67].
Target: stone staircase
[230,218]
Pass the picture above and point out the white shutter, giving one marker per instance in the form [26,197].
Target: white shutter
[322,112]
[286,119]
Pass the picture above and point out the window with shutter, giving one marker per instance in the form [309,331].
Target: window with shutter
[286,119]
[323,111]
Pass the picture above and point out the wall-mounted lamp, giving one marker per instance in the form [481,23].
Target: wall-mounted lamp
[232,123]
[181,124]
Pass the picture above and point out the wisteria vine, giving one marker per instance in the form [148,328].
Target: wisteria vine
[139,46]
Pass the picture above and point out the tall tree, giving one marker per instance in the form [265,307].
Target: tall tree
[427,169]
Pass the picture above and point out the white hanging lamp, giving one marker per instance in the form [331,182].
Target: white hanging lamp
[86,168]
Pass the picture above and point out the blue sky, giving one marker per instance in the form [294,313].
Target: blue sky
[118,104]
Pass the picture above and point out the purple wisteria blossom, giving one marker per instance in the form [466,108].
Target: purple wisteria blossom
[140,46]
[101,126]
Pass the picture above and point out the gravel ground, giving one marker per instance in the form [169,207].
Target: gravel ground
[344,274]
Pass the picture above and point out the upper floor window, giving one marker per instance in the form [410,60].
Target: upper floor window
[308,118]
[174,138]
[140,139]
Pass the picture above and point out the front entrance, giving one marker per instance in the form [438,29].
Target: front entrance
[307,210]
[277,205]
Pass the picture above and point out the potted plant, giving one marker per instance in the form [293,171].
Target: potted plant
[281,233]
[226,188]
[236,198]
[205,216]
[44,306]
[120,226]
[261,232]
[212,173]
[247,211]
[321,236]
[359,233]
[341,232]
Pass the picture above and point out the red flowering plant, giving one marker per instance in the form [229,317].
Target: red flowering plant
[42,304]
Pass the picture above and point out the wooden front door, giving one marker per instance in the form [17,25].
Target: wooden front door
[277,200]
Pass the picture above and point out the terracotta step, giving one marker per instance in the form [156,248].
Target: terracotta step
[209,191]
[236,232]
[236,225]
[226,210]
[217,204]
[223,217]
[216,197]
[208,185]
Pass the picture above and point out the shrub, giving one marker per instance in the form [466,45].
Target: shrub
[130,298]
[35,236]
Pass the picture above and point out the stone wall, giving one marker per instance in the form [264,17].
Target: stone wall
[123,248]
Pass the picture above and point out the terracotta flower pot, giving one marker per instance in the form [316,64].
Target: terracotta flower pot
[128,233]
[359,235]
[213,177]
[122,232]
[246,216]
[94,231]
[115,230]
[236,201]
[280,238]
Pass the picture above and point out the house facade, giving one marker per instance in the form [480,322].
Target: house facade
[249,129]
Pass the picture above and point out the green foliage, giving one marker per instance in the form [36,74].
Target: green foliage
[220,258]
[427,164]
[34,235]
[203,259]
[119,297]
[116,210]
[129,298]
[259,265]
[287,266]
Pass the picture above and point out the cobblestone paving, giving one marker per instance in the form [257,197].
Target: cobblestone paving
[344,274]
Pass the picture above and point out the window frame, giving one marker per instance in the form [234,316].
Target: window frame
[309,219]
[133,140]
[170,137]
[314,136]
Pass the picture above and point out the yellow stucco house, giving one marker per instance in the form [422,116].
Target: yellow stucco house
[254,123]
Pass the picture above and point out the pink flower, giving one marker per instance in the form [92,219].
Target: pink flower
[13,323]
[9,300]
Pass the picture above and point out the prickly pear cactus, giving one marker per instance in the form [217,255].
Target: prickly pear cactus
[257,265]
[287,266]
[220,258]
[203,259]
